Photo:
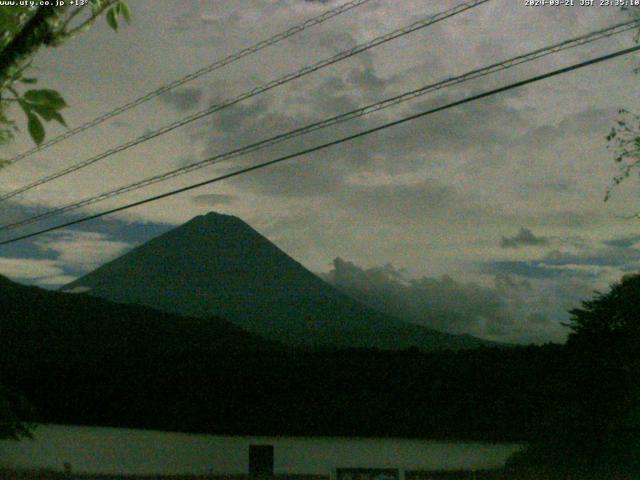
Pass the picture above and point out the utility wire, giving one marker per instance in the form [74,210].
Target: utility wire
[360,112]
[256,91]
[332,143]
[192,76]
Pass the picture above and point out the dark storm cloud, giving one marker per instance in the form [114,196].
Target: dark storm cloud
[352,85]
[400,149]
[476,124]
[121,124]
[213,199]
[476,127]
[183,22]
[505,282]
[445,304]
[552,187]
[184,99]
[581,261]
[623,242]
[255,121]
[524,237]
[589,122]
[12,211]
[401,203]
[524,268]
[620,256]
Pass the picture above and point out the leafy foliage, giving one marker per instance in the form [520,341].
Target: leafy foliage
[615,312]
[624,138]
[606,334]
[117,9]
[603,351]
[11,22]
[624,141]
[17,45]
[7,126]
[13,409]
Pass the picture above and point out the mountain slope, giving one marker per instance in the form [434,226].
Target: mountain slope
[81,359]
[217,265]
[90,329]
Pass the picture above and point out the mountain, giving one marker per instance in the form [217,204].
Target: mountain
[217,265]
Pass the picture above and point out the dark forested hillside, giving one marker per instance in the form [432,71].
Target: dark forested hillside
[83,360]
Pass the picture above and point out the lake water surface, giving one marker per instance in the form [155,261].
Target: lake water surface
[113,450]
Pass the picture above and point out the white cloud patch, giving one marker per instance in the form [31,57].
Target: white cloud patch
[72,251]
[507,311]
[56,281]
[31,269]
[83,251]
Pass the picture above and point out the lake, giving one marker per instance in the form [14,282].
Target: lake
[115,450]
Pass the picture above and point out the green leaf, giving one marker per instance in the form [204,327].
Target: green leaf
[58,118]
[49,98]
[48,114]
[36,129]
[26,107]
[112,19]
[124,10]
[96,5]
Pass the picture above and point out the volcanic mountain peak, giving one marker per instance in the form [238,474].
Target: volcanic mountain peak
[217,265]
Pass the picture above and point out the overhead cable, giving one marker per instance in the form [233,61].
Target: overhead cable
[353,114]
[340,9]
[251,93]
[330,144]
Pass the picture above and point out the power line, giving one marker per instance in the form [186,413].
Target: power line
[256,91]
[374,107]
[332,143]
[192,76]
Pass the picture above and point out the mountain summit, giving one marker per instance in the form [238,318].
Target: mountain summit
[217,265]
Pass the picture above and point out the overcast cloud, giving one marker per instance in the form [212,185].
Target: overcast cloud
[506,311]
[523,237]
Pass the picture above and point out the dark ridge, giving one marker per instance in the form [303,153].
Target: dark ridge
[86,361]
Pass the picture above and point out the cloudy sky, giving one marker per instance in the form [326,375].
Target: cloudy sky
[490,215]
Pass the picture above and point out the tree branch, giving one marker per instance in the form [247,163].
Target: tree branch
[36,32]
[84,25]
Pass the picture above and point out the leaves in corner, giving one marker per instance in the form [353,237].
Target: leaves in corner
[48,114]
[112,18]
[36,129]
[124,11]
[45,97]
